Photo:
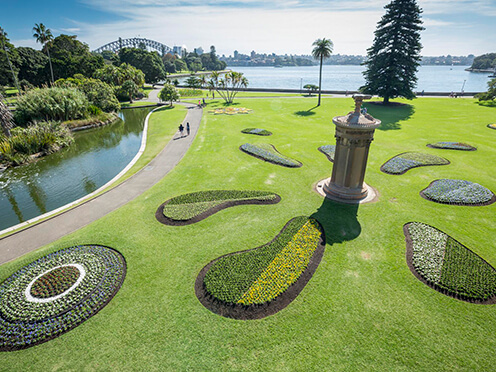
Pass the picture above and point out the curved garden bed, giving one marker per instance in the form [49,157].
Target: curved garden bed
[458,192]
[329,151]
[190,208]
[257,131]
[259,282]
[452,146]
[448,266]
[492,126]
[269,153]
[402,163]
[56,293]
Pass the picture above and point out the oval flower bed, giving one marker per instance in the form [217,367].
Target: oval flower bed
[257,131]
[56,293]
[492,126]
[259,282]
[328,150]
[231,111]
[452,146]
[447,265]
[268,152]
[190,208]
[403,162]
[459,192]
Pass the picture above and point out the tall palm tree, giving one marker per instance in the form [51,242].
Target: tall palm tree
[3,38]
[322,50]
[44,36]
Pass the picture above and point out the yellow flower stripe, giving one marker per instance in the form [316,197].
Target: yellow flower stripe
[286,267]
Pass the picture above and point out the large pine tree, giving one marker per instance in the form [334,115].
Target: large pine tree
[394,57]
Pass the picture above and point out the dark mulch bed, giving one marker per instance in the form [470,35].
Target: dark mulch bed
[471,148]
[489,202]
[159,214]
[409,261]
[244,312]
[273,162]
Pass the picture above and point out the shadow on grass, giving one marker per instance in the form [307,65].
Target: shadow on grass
[308,112]
[491,104]
[339,221]
[390,115]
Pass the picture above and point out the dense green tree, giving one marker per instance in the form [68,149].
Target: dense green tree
[130,88]
[168,93]
[394,57]
[484,62]
[33,66]
[70,57]
[180,65]
[44,36]
[149,62]
[491,92]
[322,50]
[8,60]
[99,94]
[311,88]
[116,76]
[193,82]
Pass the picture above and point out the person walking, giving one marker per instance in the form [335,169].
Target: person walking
[187,128]
[203,99]
[181,128]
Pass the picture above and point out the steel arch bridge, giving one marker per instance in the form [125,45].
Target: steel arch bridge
[134,42]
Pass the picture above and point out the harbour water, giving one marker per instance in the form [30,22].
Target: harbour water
[430,78]
[96,157]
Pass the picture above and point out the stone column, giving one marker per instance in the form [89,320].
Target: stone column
[354,134]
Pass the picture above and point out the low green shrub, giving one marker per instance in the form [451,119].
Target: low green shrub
[190,92]
[49,104]
[45,137]
[268,152]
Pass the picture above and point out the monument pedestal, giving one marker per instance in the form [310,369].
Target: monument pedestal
[354,134]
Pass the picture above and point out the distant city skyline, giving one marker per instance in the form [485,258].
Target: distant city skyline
[274,26]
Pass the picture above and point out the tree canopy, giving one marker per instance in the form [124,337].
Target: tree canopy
[394,57]
[485,61]
[168,93]
[70,57]
[228,86]
[149,62]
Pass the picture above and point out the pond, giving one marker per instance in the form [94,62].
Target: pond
[96,157]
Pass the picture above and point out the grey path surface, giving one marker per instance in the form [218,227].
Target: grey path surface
[38,235]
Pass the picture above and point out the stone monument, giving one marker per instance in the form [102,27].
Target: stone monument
[354,134]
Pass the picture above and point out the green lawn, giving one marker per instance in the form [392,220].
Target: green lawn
[362,310]
[137,104]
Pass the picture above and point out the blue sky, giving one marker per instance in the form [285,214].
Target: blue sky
[455,27]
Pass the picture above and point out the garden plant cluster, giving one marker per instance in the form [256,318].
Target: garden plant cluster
[460,192]
[448,265]
[452,146]
[56,293]
[403,162]
[268,152]
[260,275]
[187,206]
[257,131]
[492,126]
[329,151]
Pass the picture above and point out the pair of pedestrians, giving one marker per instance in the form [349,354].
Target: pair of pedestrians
[181,129]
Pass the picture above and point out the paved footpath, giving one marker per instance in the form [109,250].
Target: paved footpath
[54,228]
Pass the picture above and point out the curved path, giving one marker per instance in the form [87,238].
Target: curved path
[54,228]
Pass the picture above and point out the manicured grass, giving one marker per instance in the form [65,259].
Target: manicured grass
[137,104]
[362,310]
